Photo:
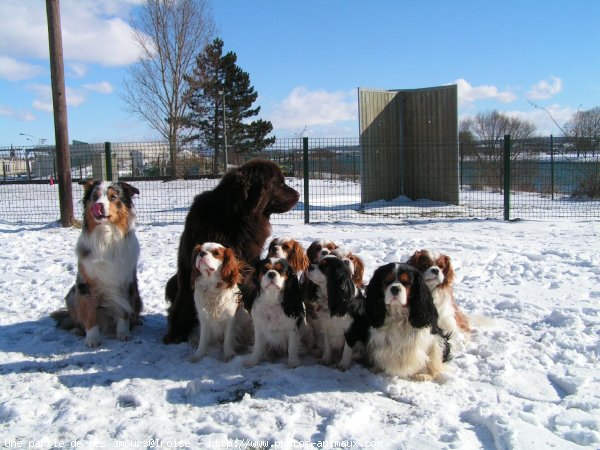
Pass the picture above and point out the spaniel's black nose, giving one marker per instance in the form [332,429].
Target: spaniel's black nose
[395,290]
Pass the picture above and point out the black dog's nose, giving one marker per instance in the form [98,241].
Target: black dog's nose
[435,271]
[271,275]
[324,252]
[395,290]
[202,254]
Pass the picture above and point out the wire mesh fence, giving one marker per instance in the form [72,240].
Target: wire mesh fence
[549,177]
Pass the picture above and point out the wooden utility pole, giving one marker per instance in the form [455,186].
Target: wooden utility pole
[59,102]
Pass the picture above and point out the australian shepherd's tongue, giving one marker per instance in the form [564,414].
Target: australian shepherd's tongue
[98,211]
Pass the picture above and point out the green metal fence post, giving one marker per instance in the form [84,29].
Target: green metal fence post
[306,187]
[108,158]
[552,164]
[507,177]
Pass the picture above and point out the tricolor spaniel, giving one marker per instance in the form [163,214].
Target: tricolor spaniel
[319,249]
[438,274]
[336,300]
[236,214]
[403,338]
[216,273]
[278,312]
[290,250]
[355,263]
[105,298]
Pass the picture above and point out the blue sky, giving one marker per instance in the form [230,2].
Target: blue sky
[307,58]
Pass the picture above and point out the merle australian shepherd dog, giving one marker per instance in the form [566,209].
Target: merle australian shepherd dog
[236,214]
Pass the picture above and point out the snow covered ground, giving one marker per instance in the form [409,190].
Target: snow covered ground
[530,381]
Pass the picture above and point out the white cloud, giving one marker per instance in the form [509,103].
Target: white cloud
[544,118]
[93,31]
[14,70]
[43,100]
[305,108]
[76,70]
[544,90]
[104,87]
[468,93]
[24,116]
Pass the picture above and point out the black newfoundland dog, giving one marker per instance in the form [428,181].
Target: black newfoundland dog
[234,214]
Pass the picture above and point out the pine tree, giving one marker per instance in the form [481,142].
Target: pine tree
[217,79]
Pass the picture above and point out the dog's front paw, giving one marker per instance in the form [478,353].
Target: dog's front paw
[196,357]
[343,366]
[421,377]
[123,336]
[293,363]
[228,356]
[250,362]
[123,329]
[92,337]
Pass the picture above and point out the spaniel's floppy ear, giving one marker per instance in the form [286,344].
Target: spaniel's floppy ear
[448,269]
[375,304]
[414,259]
[230,269]
[292,295]
[340,288]
[359,270]
[422,309]
[297,257]
[195,272]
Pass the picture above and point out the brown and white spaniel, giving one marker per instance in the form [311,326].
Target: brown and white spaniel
[216,273]
[438,273]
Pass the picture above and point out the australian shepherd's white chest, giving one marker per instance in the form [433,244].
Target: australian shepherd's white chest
[105,298]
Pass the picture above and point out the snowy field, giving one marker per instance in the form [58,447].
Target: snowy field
[530,381]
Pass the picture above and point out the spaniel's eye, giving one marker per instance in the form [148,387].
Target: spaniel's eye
[113,198]
[215,253]
[347,262]
[94,196]
[405,282]
[285,247]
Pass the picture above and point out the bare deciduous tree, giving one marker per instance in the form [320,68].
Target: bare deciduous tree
[484,137]
[584,127]
[170,34]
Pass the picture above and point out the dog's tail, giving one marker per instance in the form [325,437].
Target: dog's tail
[171,289]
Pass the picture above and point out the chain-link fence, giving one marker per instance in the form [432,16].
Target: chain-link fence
[548,177]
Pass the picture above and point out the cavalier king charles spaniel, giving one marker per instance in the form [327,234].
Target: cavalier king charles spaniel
[216,273]
[278,311]
[290,250]
[355,264]
[438,274]
[399,325]
[335,302]
[319,249]
[105,297]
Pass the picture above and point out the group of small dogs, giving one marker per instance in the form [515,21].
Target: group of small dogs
[293,302]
